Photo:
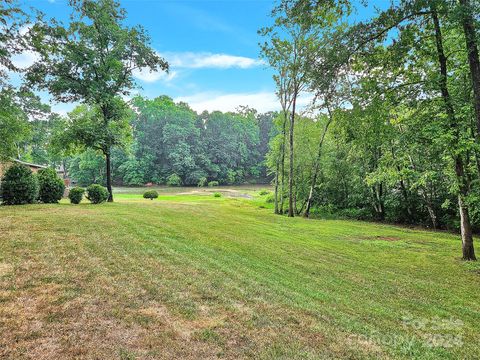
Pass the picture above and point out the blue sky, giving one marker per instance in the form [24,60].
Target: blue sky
[212,48]
[211,45]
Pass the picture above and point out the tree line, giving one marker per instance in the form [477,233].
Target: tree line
[169,143]
[394,130]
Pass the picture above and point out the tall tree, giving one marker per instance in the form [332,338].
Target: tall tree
[465,224]
[397,71]
[467,11]
[288,50]
[92,61]
[316,165]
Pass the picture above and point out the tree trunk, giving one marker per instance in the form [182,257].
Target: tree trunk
[316,168]
[432,215]
[310,194]
[465,227]
[109,176]
[404,190]
[473,58]
[295,200]
[378,198]
[468,251]
[277,168]
[299,211]
[282,162]
[291,212]
[64,165]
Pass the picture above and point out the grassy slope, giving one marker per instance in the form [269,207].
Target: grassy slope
[196,276]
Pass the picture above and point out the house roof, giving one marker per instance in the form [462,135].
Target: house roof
[30,164]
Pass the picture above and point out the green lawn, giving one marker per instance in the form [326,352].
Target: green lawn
[190,276]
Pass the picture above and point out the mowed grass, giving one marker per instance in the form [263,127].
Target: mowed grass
[189,276]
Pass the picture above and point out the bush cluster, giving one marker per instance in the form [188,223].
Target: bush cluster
[174,180]
[150,194]
[97,194]
[264,192]
[213,183]
[51,186]
[19,185]
[76,195]
[217,195]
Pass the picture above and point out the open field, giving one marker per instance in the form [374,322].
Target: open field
[237,191]
[189,276]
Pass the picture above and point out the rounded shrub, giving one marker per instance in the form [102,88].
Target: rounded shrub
[213,183]
[19,185]
[217,195]
[150,194]
[51,186]
[76,195]
[264,192]
[97,193]
[174,180]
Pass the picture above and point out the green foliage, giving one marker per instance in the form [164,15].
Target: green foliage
[174,180]
[202,182]
[270,199]
[19,185]
[76,195]
[170,138]
[97,194]
[86,128]
[110,52]
[51,186]
[406,148]
[264,192]
[12,38]
[132,172]
[13,124]
[217,195]
[150,194]
[113,50]
[37,147]
[88,167]
[213,183]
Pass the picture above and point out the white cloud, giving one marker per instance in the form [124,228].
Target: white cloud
[63,108]
[200,60]
[261,101]
[25,59]
[153,76]
[195,60]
